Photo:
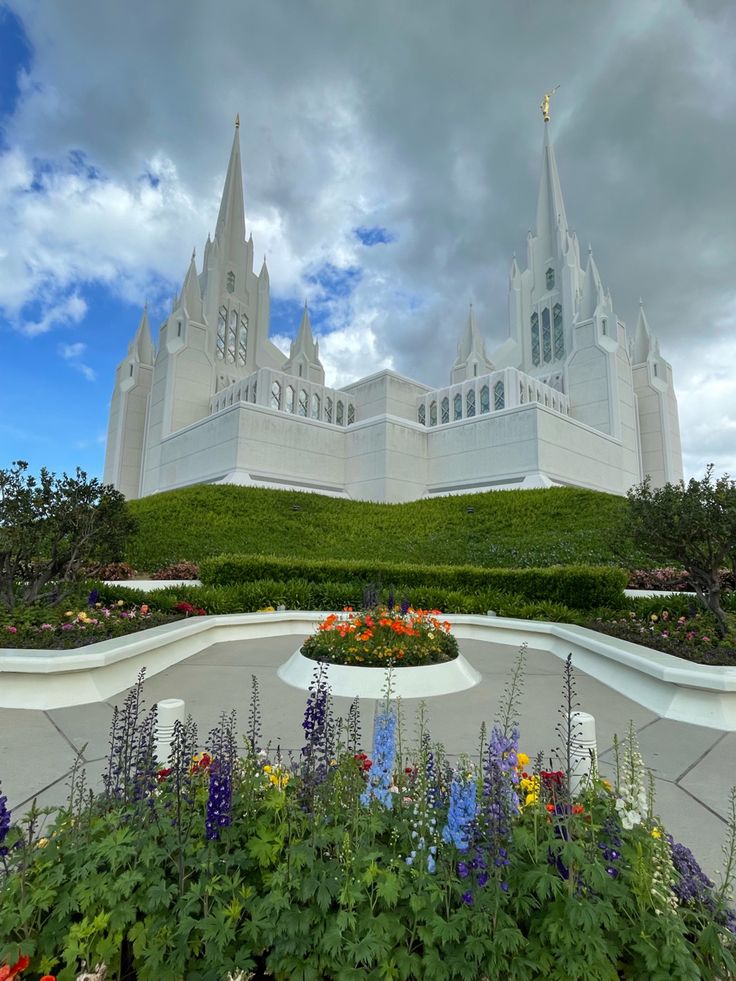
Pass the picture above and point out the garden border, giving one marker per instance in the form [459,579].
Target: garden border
[673,688]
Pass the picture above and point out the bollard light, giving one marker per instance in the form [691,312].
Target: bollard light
[168,713]
[583,749]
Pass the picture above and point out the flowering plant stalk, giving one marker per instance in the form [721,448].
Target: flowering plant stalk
[377,638]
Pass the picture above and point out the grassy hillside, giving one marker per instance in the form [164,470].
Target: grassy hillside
[509,528]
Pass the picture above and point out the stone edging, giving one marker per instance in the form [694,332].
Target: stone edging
[675,689]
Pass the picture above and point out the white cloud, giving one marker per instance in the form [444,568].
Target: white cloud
[72,354]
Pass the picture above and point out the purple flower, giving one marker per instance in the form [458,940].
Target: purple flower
[462,870]
[468,898]
[93,597]
[4,823]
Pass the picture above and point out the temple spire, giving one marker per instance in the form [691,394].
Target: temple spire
[141,347]
[304,354]
[230,229]
[642,344]
[550,204]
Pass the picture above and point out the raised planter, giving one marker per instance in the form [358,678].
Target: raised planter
[350,680]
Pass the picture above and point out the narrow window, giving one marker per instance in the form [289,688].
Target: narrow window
[231,282]
[604,326]
[303,403]
[445,410]
[457,407]
[546,337]
[276,395]
[232,331]
[178,328]
[221,324]
[315,406]
[498,396]
[654,366]
[131,371]
[255,390]
[550,278]
[546,400]
[559,337]
[422,415]
[522,393]
[475,371]
[328,409]
[485,400]
[351,414]
[470,403]
[340,414]
[243,341]
[300,371]
[433,413]
[289,399]
[535,338]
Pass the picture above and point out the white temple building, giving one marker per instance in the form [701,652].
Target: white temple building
[570,398]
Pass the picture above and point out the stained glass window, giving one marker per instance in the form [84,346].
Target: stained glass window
[559,337]
[422,415]
[289,399]
[340,414]
[535,338]
[231,282]
[470,403]
[445,410]
[498,396]
[232,331]
[485,399]
[522,393]
[457,407]
[550,278]
[433,413]
[303,404]
[328,409]
[276,395]
[546,336]
[351,414]
[315,406]
[243,341]
[221,324]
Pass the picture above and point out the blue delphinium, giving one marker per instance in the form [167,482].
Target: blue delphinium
[380,777]
[220,793]
[4,824]
[319,729]
[461,812]
[693,887]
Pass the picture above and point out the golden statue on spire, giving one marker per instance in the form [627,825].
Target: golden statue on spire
[237,121]
[544,106]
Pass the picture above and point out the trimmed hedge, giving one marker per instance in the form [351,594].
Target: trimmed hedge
[577,587]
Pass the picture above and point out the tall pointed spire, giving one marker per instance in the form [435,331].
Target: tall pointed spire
[592,290]
[141,347]
[304,354]
[642,345]
[230,229]
[550,204]
[191,294]
[472,359]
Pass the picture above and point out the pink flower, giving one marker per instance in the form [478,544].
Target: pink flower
[47,626]
[706,639]
[12,630]
[67,626]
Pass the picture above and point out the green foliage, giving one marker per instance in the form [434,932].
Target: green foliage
[573,586]
[50,528]
[559,526]
[695,525]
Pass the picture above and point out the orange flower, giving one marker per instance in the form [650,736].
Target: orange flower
[578,809]
[551,808]
[48,977]
[9,973]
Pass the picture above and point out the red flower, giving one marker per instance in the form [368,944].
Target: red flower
[48,977]
[9,973]
[160,776]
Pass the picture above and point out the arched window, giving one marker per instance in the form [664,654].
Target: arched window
[470,403]
[303,404]
[535,338]
[232,331]
[546,336]
[498,396]
[351,413]
[422,415]
[550,276]
[289,399]
[445,410]
[243,341]
[231,282]
[559,337]
[457,407]
[221,325]
[315,405]
[328,409]
[340,414]
[604,326]
[485,400]
[522,393]
[433,413]
[276,395]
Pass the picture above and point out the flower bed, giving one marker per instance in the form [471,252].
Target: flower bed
[690,635]
[377,638]
[341,862]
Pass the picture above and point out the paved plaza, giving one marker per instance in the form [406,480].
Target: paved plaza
[693,766]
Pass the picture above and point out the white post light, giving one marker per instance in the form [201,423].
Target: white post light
[169,712]
[583,749]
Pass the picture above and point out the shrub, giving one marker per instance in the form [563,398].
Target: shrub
[179,570]
[112,572]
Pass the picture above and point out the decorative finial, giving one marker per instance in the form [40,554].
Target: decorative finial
[641,302]
[194,253]
[237,120]
[544,105]
[590,248]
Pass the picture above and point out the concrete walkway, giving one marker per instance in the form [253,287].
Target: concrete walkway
[693,766]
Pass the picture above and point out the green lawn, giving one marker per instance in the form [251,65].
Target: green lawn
[559,526]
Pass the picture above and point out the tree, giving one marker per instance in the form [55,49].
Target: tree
[50,527]
[693,524]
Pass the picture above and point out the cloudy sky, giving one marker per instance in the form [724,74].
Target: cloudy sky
[391,152]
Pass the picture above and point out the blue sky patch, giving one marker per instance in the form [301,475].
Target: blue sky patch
[375,235]
[15,55]
[334,280]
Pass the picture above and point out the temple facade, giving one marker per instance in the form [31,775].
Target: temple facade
[572,397]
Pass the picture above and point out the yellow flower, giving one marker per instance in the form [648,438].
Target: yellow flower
[69,613]
[522,758]
[42,842]
[656,832]
[267,768]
